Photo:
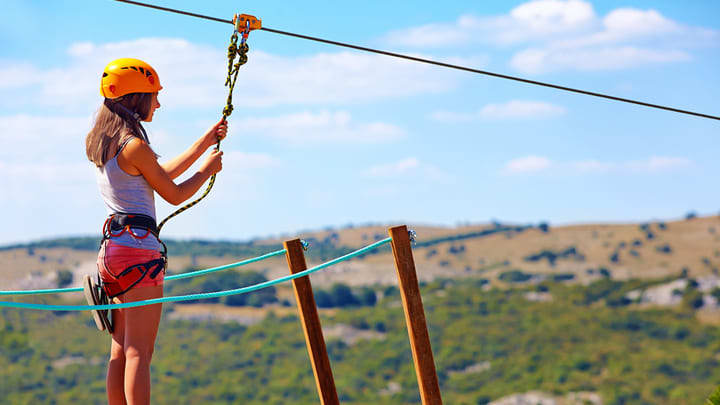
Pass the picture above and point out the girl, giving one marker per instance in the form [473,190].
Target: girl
[131,263]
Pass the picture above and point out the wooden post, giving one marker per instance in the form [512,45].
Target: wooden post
[415,316]
[311,324]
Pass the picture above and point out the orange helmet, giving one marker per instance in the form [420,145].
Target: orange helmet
[127,75]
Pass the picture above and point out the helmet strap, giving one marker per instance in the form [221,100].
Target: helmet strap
[113,103]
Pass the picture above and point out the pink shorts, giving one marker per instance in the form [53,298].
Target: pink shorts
[122,267]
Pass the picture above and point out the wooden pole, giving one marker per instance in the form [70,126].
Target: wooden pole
[415,316]
[311,325]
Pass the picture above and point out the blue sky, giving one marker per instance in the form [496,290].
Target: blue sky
[325,136]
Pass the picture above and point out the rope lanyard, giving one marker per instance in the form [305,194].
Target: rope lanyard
[233,68]
[442,64]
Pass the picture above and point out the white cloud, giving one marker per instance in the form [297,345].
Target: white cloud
[539,60]
[592,166]
[547,17]
[521,109]
[18,74]
[652,165]
[529,164]
[25,137]
[659,164]
[394,169]
[569,35]
[514,109]
[324,126]
[36,183]
[625,23]
[193,75]
[408,167]
[236,160]
[531,21]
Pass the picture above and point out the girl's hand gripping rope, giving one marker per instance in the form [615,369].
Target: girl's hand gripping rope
[213,163]
[215,134]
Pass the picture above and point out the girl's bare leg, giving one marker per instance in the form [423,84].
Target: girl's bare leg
[116,367]
[141,326]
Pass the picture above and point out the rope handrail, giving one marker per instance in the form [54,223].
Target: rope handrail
[173,277]
[237,291]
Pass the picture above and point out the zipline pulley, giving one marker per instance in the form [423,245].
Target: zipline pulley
[245,23]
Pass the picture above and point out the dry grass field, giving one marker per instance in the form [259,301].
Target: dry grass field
[648,250]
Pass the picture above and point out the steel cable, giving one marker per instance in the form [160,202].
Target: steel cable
[442,64]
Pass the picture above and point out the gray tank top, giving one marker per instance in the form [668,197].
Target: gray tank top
[125,193]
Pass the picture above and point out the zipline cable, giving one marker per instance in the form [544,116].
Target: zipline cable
[442,64]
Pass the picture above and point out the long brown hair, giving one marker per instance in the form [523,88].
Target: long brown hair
[116,121]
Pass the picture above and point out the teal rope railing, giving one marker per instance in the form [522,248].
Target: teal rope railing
[236,291]
[173,277]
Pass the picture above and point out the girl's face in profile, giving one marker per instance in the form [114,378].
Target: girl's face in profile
[154,106]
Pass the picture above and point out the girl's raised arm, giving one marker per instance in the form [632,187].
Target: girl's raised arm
[138,158]
[182,162]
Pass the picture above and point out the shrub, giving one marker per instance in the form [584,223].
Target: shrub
[563,277]
[64,278]
[693,299]
[514,276]
[367,296]
[391,291]
[323,299]
[342,296]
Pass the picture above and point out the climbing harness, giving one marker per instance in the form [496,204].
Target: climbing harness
[115,226]
[244,23]
[100,292]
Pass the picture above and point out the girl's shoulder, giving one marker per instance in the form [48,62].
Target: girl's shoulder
[130,152]
[127,140]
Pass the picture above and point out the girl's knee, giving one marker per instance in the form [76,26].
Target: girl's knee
[117,352]
[143,355]
[117,355]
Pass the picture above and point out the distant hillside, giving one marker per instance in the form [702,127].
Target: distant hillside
[501,253]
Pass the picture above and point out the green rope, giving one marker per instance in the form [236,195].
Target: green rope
[233,69]
[173,277]
[243,290]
